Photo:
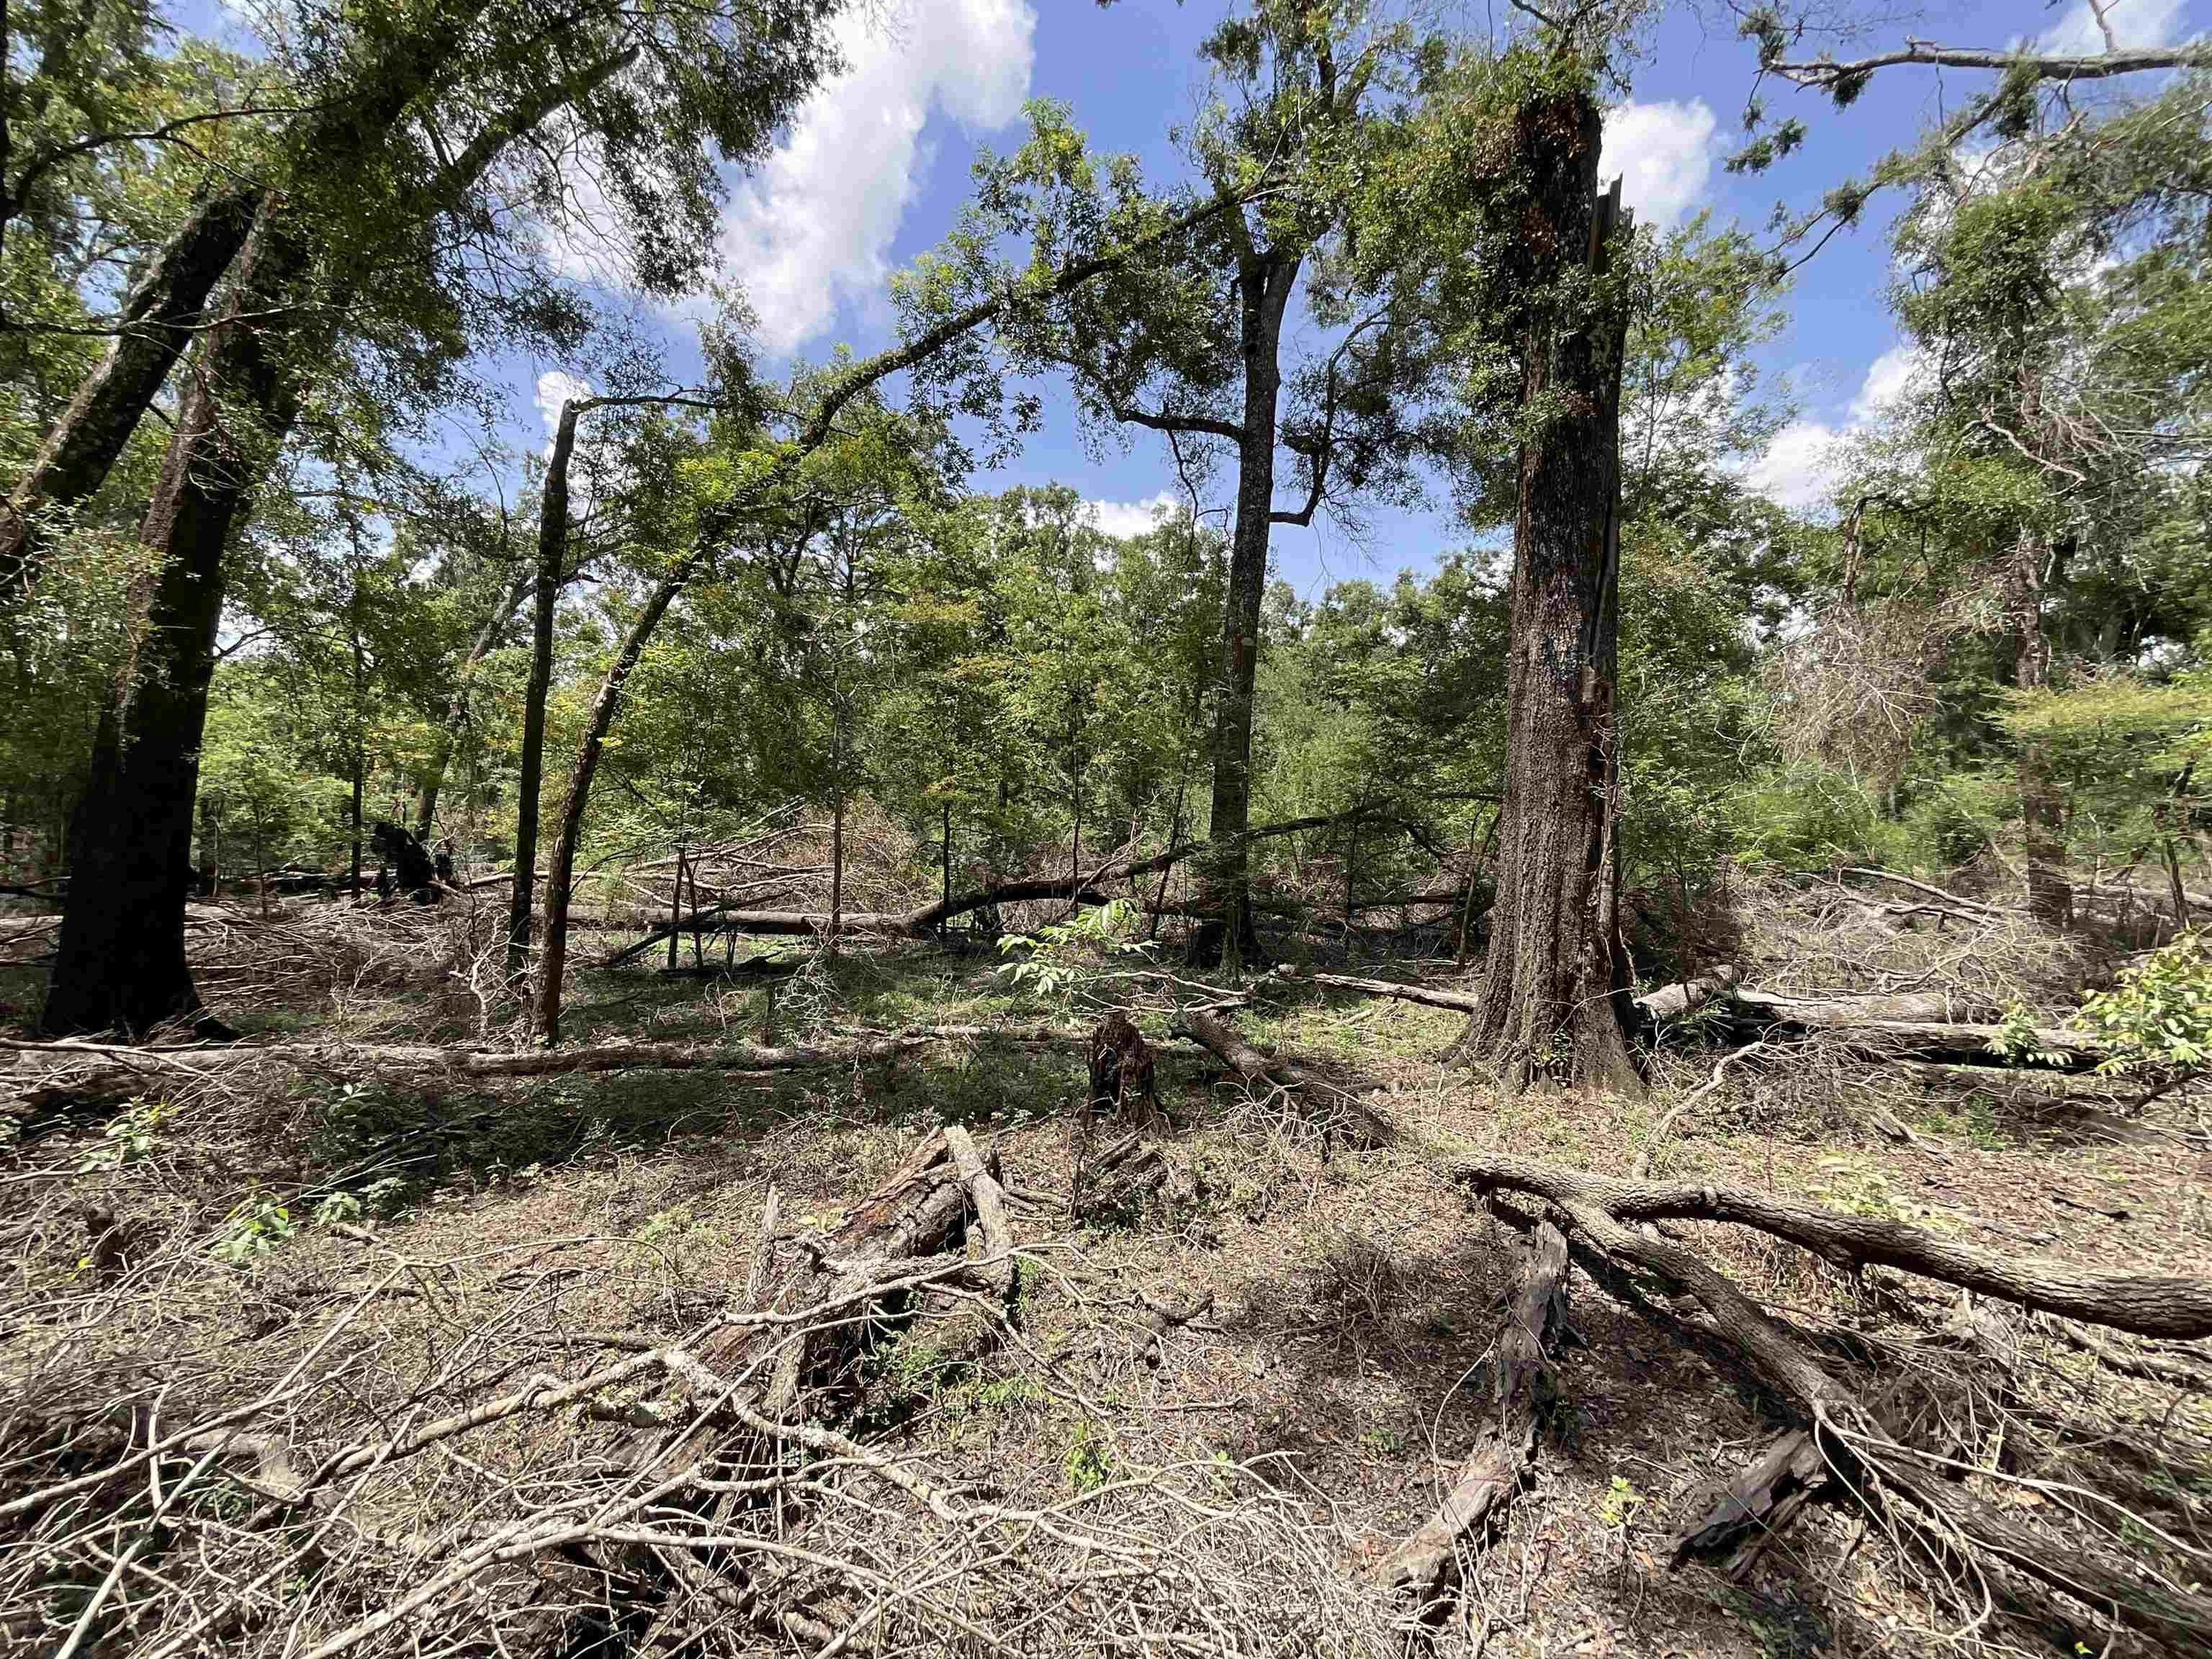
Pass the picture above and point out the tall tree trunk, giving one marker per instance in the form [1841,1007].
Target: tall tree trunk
[560,866]
[837,872]
[358,787]
[1554,998]
[163,308]
[552,558]
[457,706]
[2049,894]
[121,961]
[1267,280]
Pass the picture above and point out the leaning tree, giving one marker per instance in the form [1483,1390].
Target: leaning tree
[391,202]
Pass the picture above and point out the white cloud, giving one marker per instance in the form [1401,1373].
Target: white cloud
[1664,153]
[1888,377]
[1131,518]
[555,388]
[815,226]
[2135,24]
[1803,464]
[1799,470]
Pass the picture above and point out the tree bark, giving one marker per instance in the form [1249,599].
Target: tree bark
[164,307]
[552,551]
[1555,995]
[2042,816]
[121,961]
[1267,281]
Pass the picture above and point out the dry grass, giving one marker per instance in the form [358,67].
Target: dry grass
[1226,1496]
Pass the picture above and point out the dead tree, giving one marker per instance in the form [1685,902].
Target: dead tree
[1554,999]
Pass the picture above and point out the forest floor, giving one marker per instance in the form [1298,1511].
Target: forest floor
[345,1254]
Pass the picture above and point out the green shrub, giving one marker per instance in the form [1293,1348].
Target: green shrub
[1809,817]
[2157,1020]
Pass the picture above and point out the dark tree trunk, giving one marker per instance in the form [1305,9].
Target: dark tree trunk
[1267,280]
[2049,894]
[552,558]
[1554,999]
[166,305]
[122,956]
[561,867]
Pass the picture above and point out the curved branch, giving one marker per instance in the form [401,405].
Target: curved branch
[1826,74]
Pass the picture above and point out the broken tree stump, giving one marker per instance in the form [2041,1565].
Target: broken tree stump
[1122,1074]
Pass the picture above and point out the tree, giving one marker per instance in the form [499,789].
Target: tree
[1192,347]
[730,77]
[1536,264]
[746,475]
[2045,281]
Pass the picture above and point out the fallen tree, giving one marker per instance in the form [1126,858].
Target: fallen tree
[1926,1026]
[1259,1070]
[1845,1449]
[1426,1566]
[924,920]
[80,1072]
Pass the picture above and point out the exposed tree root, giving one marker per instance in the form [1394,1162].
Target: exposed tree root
[1425,1567]
[1908,1490]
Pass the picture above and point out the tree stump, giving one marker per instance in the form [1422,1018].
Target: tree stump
[417,872]
[1121,1075]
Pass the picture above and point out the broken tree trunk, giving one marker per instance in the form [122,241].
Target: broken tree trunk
[1121,1075]
[1425,1567]
[1555,991]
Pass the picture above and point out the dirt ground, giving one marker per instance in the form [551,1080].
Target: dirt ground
[342,1256]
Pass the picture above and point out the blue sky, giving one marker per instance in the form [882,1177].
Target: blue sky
[876,168]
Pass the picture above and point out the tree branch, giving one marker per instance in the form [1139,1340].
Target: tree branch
[1826,74]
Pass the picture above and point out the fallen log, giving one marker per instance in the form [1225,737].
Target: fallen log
[2149,1304]
[1946,1522]
[1259,1070]
[1403,991]
[1425,1567]
[1761,1500]
[926,920]
[1933,1026]
[118,1071]
[1672,1002]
